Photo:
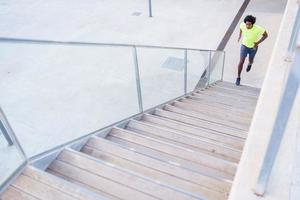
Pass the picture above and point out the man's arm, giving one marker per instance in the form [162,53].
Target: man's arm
[240,35]
[264,36]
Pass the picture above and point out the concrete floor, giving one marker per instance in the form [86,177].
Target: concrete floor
[54,94]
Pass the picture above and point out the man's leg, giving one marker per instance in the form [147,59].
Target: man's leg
[243,55]
[240,66]
[251,59]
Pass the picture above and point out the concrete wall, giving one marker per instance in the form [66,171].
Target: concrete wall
[284,179]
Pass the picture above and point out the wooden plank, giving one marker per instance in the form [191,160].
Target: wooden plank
[174,160]
[168,166]
[209,119]
[229,104]
[157,174]
[224,100]
[224,111]
[231,158]
[242,87]
[196,108]
[87,187]
[227,96]
[193,142]
[201,123]
[184,153]
[234,92]
[210,116]
[98,182]
[124,176]
[61,185]
[39,190]
[13,193]
[244,92]
[228,140]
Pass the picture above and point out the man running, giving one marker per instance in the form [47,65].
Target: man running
[253,35]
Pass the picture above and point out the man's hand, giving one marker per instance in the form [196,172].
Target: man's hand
[255,45]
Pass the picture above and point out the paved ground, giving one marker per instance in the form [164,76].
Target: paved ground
[94,94]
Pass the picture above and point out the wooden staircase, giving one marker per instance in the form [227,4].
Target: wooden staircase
[188,149]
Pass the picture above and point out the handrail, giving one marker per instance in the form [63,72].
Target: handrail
[285,107]
[81,43]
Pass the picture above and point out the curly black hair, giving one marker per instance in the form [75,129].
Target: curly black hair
[250,18]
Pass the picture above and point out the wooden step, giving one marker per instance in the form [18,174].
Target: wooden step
[61,185]
[170,158]
[232,158]
[82,184]
[209,100]
[226,95]
[228,140]
[215,120]
[205,139]
[243,115]
[243,92]
[237,99]
[39,190]
[139,184]
[13,193]
[184,153]
[219,115]
[223,129]
[187,141]
[241,88]
[157,174]
[236,93]
[204,177]
[92,180]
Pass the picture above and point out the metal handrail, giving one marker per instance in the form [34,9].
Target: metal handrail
[81,43]
[285,108]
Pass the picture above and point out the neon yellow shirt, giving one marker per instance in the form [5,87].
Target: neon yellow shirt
[251,35]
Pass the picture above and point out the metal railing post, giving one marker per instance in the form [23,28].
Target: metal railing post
[208,69]
[150,8]
[185,71]
[137,78]
[223,67]
[10,133]
[5,133]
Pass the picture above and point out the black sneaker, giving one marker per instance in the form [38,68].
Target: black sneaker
[248,68]
[238,81]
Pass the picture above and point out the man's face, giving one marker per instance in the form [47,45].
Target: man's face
[249,25]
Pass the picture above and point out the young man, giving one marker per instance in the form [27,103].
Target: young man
[253,35]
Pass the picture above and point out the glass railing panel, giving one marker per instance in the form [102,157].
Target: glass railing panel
[197,62]
[11,157]
[54,93]
[161,75]
[217,66]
